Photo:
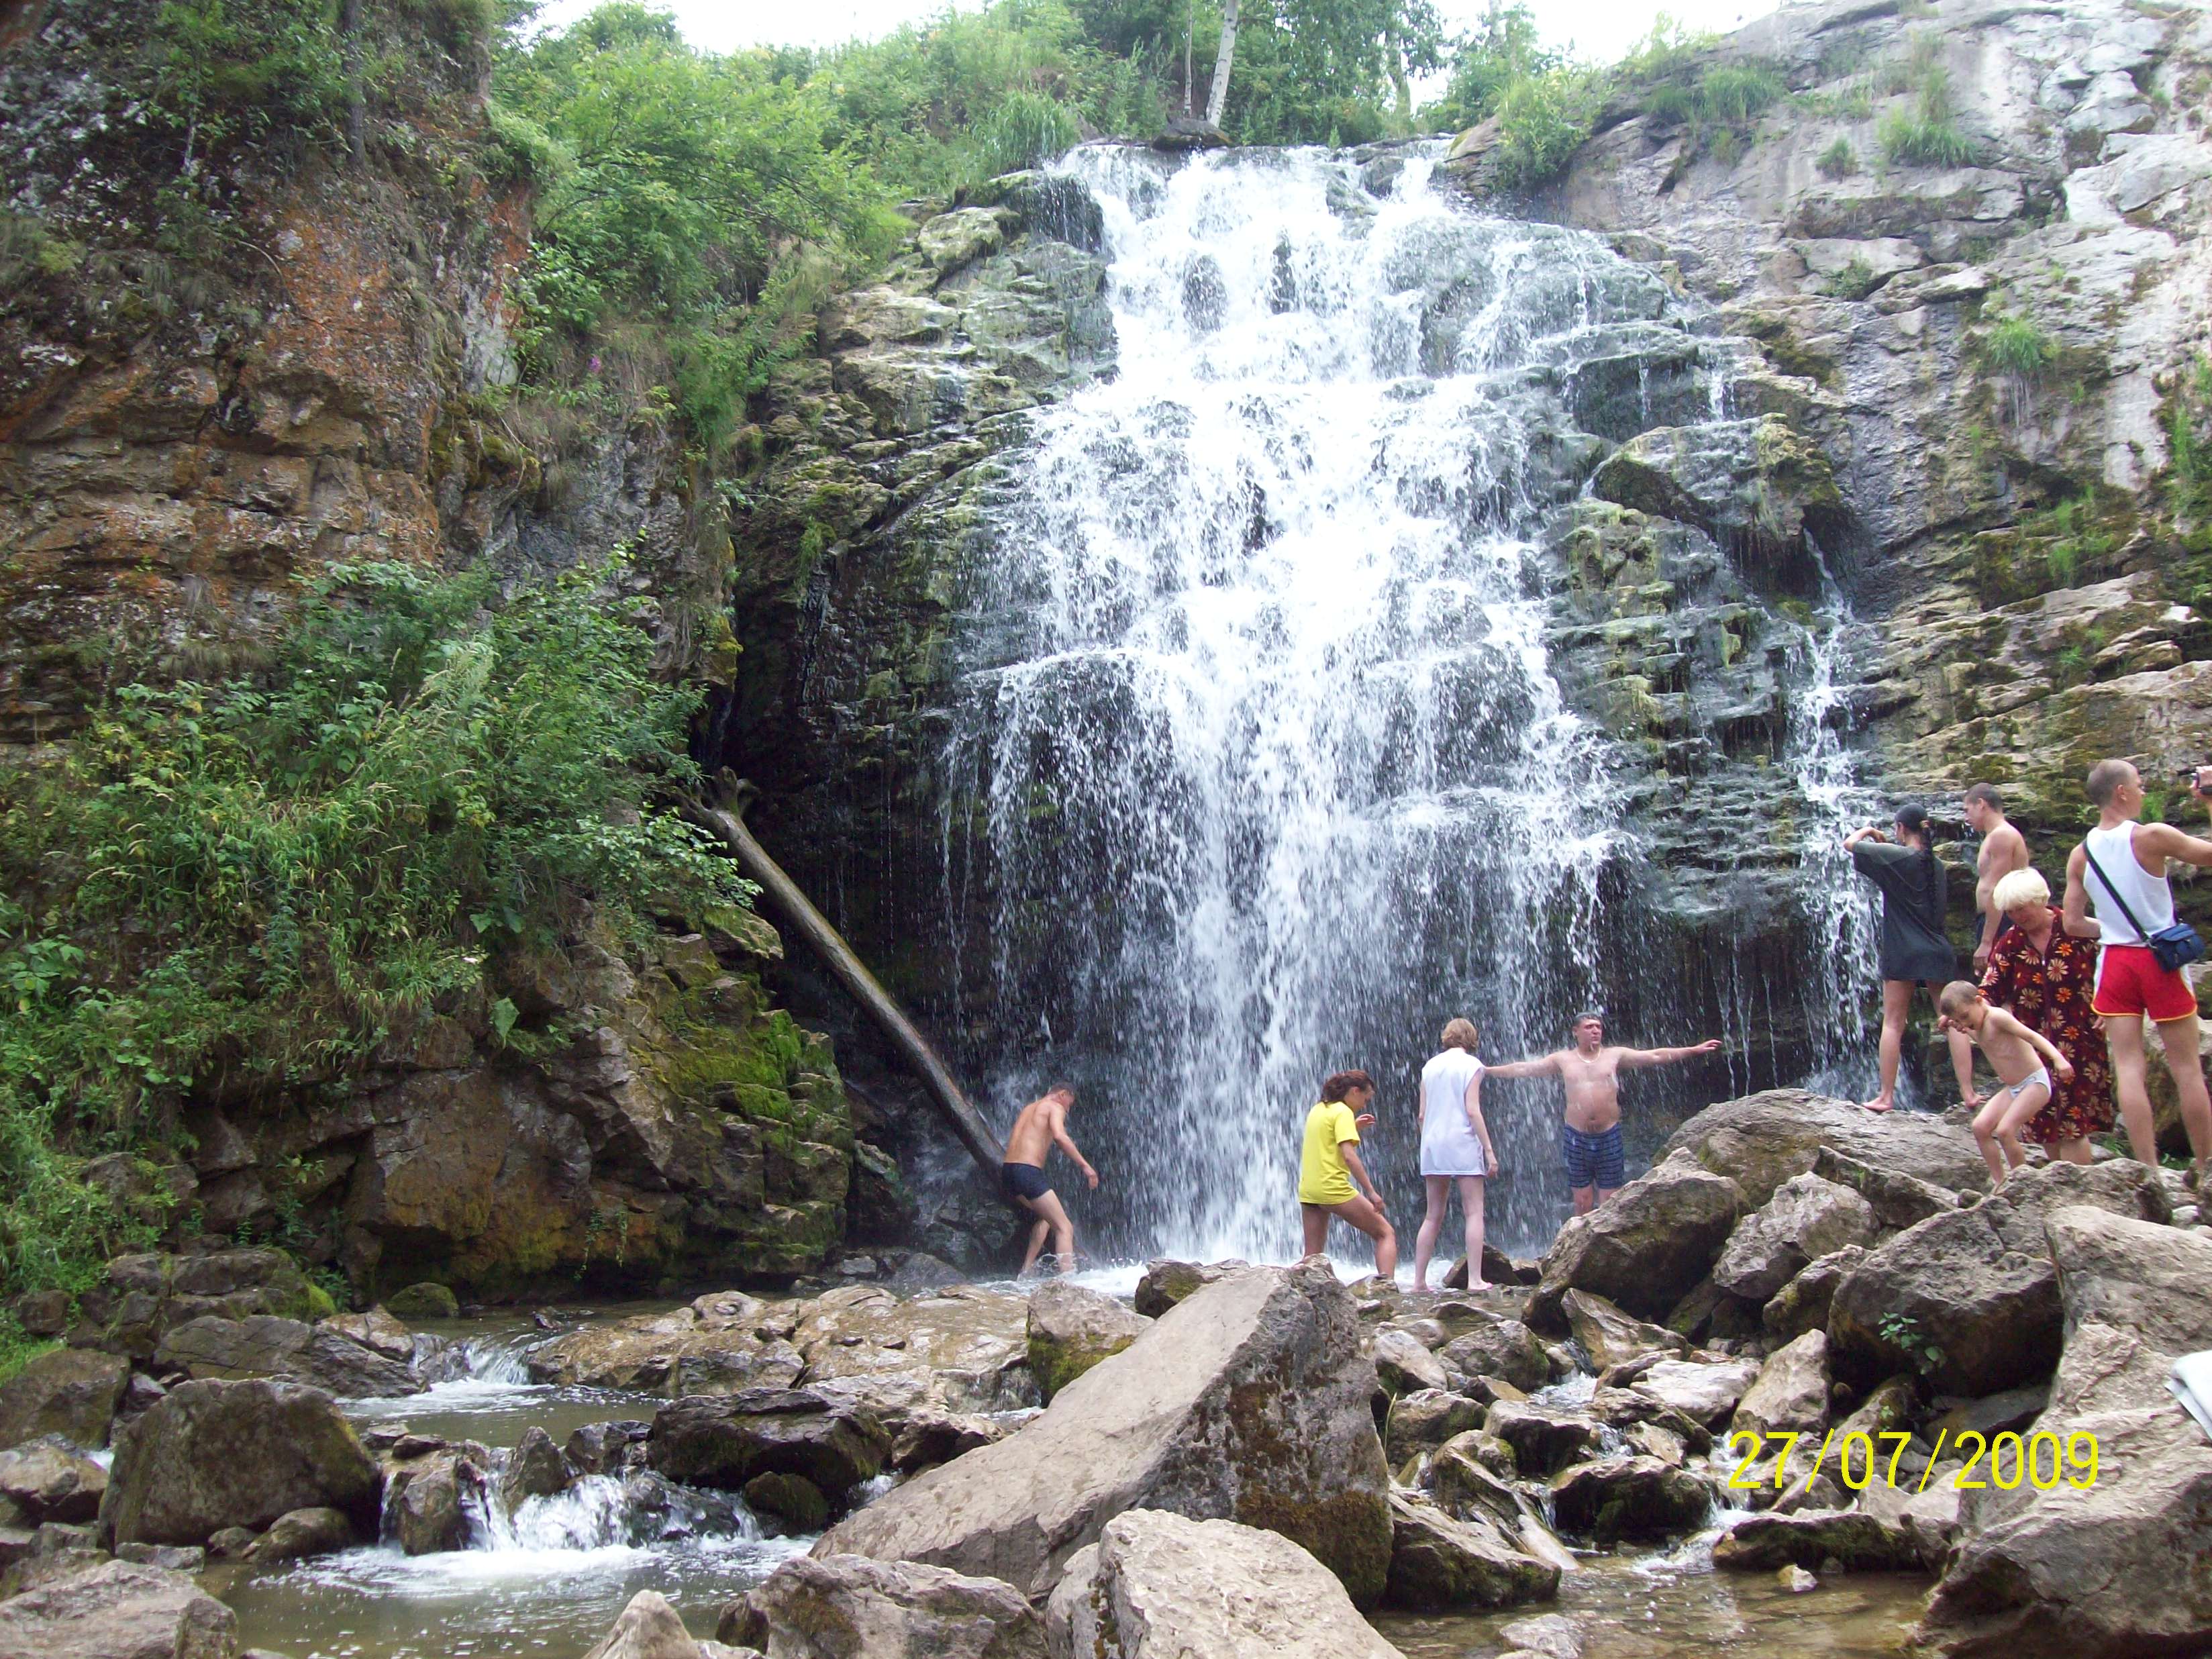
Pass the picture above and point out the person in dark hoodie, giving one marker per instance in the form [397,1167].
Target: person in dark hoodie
[1915,951]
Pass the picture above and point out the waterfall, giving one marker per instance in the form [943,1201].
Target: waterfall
[1258,767]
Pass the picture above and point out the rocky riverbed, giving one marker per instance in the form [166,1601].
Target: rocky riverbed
[1234,1459]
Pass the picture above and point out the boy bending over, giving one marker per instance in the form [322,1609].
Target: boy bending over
[2012,1049]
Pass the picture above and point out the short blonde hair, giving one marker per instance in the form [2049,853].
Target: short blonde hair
[1957,994]
[2019,890]
[1460,1034]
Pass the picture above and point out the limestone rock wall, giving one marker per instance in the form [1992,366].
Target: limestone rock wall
[2036,600]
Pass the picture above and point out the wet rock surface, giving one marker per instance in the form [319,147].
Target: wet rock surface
[830,1606]
[117,1611]
[1158,1584]
[1248,1400]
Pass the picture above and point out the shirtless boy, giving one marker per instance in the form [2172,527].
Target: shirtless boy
[2012,1049]
[2004,850]
[1590,1139]
[1041,1125]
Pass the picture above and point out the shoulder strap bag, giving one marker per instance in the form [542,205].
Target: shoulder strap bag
[2174,947]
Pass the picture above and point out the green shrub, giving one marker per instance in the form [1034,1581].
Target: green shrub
[1672,79]
[1911,139]
[1855,281]
[2015,346]
[2189,444]
[1542,121]
[1504,49]
[1026,130]
[1838,160]
[223,69]
[247,883]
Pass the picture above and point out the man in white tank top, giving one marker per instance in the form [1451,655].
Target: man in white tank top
[2130,875]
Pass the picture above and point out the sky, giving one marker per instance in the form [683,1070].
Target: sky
[1599,29]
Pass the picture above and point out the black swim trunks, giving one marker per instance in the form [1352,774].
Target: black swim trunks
[1023,1181]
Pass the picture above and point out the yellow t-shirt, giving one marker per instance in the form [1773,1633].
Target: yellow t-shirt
[1322,1178]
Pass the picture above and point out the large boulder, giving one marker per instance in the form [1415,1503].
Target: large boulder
[1813,1538]
[1071,1329]
[1644,1246]
[843,1607]
[1637,1496]
[713,1345]
[648,1628]
[1505,1349]
[1808,1217]
[1166,1282]
[1898,1199]
[1158,1586]
[968,1347]
[299,1534]
[1791,1393]
[430,1500]
[1438,1561]
[71,1392]
[1752,483]
[1248,1400]
[2117,1566]
[210,1456]
[1428,1417]
[1609,1336]
[141,1297]
[726,1440]
[1403,1363]
[118,1610]
[51,1479]
[266,1345]
[1802,1305]
[1970,1298]
[1761,1140]
[1706,1393]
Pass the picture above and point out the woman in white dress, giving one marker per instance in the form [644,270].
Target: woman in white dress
[1455,1148]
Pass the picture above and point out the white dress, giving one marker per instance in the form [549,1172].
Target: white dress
[1450,1145]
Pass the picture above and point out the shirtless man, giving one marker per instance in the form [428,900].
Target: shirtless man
[2003,851]
[1041,1125]
[1591,1136]
[2023,1060]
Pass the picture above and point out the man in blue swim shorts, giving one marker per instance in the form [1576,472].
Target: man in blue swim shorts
[1589,1140]
[1041,1125]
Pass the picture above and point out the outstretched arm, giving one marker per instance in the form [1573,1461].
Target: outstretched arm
[1543,1066]
[1666,1056]
[1067,1144]
[2164,841]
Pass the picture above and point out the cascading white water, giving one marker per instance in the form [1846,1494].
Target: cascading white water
[1258,767]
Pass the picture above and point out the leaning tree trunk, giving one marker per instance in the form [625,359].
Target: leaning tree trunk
[1219,99]
[797,913]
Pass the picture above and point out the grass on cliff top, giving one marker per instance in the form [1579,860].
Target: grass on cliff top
[245,886]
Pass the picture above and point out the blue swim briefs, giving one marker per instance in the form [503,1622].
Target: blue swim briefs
[1594,1160]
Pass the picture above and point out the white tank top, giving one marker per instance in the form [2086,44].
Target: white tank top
[2148,895]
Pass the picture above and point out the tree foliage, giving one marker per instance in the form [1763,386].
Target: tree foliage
[245,886]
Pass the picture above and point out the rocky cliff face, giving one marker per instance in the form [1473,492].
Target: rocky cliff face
[2037,600]
[229,368]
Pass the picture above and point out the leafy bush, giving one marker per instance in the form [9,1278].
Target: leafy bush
[1926,134]
[249,883]
[1025,131]
[1838,160]
[2189,445]
[247,69]
[1542,121]
[1505,48]
[1672,79]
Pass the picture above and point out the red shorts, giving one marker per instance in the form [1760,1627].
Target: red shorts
[2130,981]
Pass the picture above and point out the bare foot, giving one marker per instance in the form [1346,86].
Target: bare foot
[1419,1289]
[1480,1284]
[1878,1104]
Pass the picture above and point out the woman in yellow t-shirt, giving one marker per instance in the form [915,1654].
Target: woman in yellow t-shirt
[1330,1165]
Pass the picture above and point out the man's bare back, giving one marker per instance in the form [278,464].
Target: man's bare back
[1042,1121]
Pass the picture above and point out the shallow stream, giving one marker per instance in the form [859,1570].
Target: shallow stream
[550,1580]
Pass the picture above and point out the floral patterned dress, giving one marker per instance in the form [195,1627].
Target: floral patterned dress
[2051,992]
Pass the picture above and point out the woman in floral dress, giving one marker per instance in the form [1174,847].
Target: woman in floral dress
[2045,979]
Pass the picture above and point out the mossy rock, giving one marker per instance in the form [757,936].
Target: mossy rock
[426,1300]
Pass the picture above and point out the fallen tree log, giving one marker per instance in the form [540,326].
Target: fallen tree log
[797,913]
